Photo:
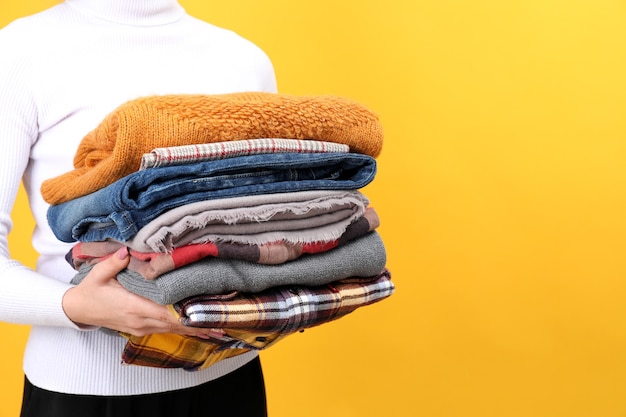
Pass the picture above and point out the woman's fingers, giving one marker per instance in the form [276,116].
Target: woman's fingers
[108,269]
[99,300]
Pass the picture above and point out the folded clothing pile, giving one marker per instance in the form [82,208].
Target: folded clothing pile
[241,212]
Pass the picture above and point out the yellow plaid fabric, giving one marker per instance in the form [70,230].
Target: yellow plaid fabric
[191,353]
[252,321]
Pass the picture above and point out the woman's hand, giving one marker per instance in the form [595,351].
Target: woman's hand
[99,300]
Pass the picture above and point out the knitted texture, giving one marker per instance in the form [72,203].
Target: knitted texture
[115,147]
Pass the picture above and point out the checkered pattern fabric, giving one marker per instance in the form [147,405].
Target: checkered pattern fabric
[178,155]
[252,321]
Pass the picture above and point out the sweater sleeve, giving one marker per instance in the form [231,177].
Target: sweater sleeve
[26,297]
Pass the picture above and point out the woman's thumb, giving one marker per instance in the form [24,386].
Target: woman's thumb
[110,267]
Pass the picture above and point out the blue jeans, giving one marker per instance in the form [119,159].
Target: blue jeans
[119,210]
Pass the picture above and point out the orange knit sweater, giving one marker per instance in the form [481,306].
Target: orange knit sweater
[114,149]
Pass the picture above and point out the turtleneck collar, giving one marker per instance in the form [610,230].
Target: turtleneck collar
[131,12]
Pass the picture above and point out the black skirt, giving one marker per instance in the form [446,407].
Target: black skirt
[240,393]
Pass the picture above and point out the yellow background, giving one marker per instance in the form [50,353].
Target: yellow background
[501,190]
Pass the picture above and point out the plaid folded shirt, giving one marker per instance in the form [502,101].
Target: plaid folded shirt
[252,321]
[184,154]
[167,350]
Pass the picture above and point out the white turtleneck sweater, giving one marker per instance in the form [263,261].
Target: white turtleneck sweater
[61,72]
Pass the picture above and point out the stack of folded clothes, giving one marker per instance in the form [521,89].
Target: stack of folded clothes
[241,212]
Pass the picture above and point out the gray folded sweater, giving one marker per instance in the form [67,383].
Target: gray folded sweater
[361,257]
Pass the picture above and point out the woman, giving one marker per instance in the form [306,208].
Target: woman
[61,72]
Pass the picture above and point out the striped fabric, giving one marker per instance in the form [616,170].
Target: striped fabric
[252,321]
[178,155]
[151,265]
